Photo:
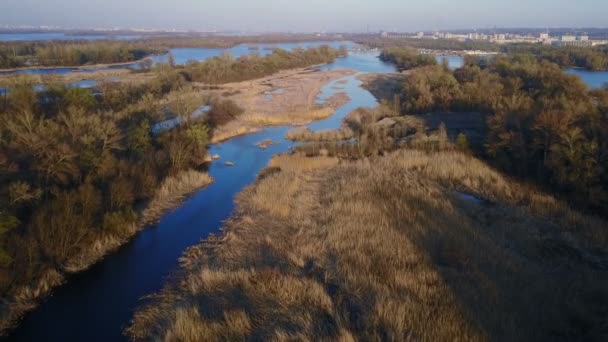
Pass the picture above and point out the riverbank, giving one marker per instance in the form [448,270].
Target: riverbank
[170,195]
[435,245]
[285,98]
[294,105]
[77,68]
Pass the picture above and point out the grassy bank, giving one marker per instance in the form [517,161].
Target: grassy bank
[170,195]
[410,246]
[295,105]
[77,166]
[528,118]
[172,192]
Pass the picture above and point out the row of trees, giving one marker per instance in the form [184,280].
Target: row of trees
[406,58]
[72,53]
[542,123]
[592,58]
[225,68]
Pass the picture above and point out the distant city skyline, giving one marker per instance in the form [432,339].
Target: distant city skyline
[305,16]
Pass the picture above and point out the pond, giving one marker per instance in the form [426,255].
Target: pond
[454,62]
[594,79]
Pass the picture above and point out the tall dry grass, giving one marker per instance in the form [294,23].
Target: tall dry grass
[387,248]
[305,134]
[295,106]
[172,192]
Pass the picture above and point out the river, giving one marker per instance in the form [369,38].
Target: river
[184,55]
[96,305]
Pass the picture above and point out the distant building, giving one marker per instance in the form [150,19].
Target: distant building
[420,35]
[544,36]
[571,40]
[567,38]
[385,34]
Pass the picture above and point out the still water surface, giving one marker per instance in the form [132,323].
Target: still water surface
[594,79]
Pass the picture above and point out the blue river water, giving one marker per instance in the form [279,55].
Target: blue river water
[594,79]
[454,62]
[96,305]
[184,55]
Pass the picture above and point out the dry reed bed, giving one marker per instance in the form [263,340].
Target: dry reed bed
[294,106]
[384,249]
[172,192]
[305,134]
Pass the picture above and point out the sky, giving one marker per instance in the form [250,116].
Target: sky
[305,15]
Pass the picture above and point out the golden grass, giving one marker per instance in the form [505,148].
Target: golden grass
[305,134]
[387,249]
[294,106]
[253,122]
[172,192]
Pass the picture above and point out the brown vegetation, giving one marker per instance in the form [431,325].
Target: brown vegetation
[77,167]
[72,53]
[414,245]
[75,53]
[294,106]
[226,68]
[406,58]
[592,58]
[305,134]
[74,167]
[538,123]
[383,86]
[172,192]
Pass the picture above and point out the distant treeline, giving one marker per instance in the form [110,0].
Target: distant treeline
[77,53]
[592,58]
[406,58]
[542,124]
[70,53]
[225,68]
[228,41]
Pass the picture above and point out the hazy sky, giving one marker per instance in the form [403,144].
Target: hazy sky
[306,15]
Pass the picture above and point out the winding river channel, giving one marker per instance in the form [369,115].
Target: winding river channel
[96,305]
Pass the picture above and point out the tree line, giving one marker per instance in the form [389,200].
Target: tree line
[77,53]
[406,58]
[226,68]
[542,124]
[591,58]
[72,53]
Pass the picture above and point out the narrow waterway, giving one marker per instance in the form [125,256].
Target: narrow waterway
[96,305]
